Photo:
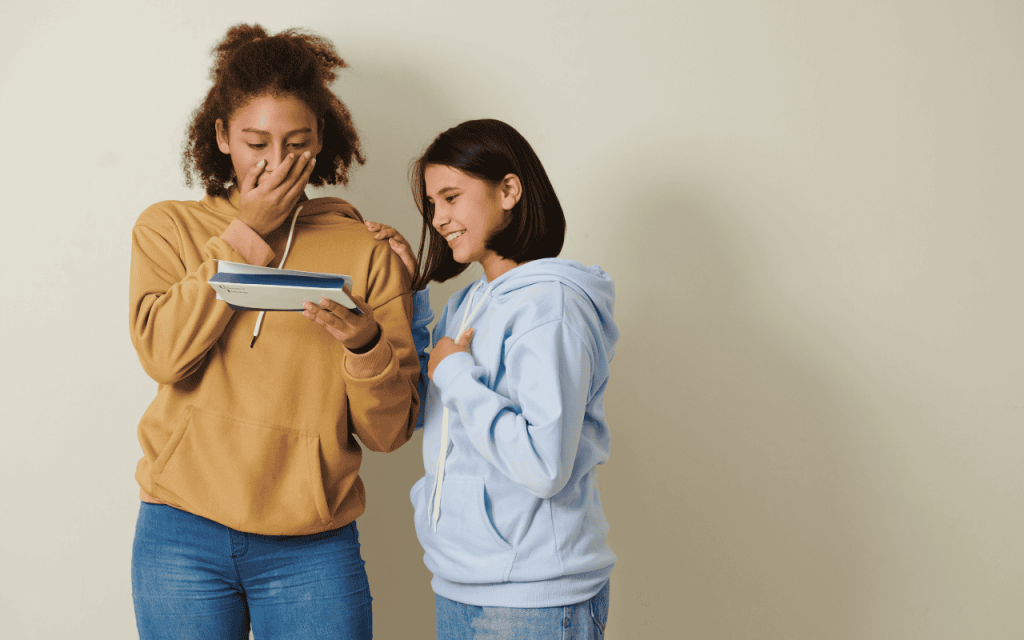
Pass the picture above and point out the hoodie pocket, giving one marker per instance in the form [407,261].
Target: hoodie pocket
[465,548]
[246,475]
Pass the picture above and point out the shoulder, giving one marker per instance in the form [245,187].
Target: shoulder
[566,291]
[177,213]
[558,307]
[547,301]
[386,275]
[167,219]
[163,212]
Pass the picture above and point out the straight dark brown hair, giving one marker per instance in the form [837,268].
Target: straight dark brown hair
[489,150]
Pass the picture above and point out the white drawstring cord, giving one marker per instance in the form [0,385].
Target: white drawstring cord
[443,455]
[287,248]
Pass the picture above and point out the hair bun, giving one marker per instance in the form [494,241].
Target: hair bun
[237,37]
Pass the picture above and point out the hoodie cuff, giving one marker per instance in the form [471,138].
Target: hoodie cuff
[422,314]
[450,368]
[369,364]
[248,243]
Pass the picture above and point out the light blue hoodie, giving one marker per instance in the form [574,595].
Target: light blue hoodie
[520,521]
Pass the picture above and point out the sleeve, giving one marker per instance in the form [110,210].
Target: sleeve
[383,403]
[422,316]
[531,437]
[174,315]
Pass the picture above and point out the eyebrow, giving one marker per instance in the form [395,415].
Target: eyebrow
[267,133]
[441,193]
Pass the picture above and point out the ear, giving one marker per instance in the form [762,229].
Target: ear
[511,191]
[222,138]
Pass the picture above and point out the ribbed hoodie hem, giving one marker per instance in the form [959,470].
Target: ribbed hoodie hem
[556,592]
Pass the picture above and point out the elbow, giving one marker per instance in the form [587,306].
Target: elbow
[165,375]
[165,369]
[396,443]
[546,488]
[387,439]
[161,363]
[383,417]
[388,446]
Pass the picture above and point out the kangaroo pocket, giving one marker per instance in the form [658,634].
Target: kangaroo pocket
[465,548]
[246,475]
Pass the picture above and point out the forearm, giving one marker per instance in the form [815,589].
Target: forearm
[532,437]
[175,317]
[381,383]
[422,316]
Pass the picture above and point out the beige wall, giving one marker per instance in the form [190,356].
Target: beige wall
[813,212]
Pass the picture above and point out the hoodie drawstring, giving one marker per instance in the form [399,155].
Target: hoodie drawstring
[287,248]
[439,474]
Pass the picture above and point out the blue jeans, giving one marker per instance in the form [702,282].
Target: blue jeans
[194,578]
[583,621]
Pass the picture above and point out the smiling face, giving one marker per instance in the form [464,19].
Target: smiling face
[468,211]
[268,128]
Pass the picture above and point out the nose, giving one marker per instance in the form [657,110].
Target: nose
[440,219]
[275,155]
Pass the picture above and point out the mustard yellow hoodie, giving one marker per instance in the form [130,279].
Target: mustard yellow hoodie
[263,439]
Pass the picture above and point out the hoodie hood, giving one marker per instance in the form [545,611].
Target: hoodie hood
[315,211]
[327,211]
[591,282]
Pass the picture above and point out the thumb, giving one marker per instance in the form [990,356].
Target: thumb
[466,338]
[359,301]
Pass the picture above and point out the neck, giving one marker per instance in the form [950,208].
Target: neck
[495,266]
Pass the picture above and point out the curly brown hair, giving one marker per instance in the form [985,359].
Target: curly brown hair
[250,63]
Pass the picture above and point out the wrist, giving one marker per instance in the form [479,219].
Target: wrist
[369,344]
[261,232]
[252,247]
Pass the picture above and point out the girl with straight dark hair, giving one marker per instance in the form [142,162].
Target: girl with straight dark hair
[514,427]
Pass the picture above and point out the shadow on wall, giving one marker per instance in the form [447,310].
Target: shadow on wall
[379,95]
[397,114]
[727,490]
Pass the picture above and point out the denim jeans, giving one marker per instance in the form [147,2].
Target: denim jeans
[194,578]
[583,621]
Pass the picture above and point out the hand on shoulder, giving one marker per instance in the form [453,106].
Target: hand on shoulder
[398,243]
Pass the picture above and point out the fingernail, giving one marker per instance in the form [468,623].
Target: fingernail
[261,163]
[312,162]
[324,302]
[306,155]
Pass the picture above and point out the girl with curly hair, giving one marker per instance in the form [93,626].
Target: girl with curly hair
[250,475]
